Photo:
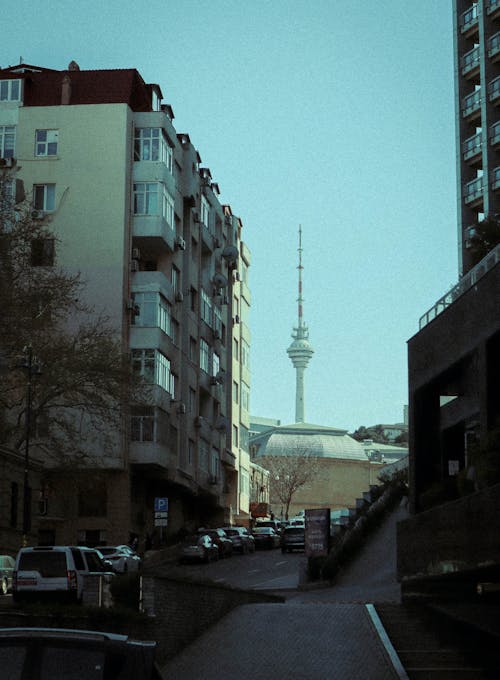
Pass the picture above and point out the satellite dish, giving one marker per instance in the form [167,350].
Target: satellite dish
[230,253]
[220,280]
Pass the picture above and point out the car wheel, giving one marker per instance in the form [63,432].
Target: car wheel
[5,586]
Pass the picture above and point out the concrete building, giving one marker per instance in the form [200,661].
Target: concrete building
[139,216]
[451,541]
[477,97]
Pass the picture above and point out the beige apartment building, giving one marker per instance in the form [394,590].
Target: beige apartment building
[136,213]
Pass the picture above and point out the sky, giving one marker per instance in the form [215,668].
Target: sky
[335,115]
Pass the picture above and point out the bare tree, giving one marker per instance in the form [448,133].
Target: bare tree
[79,377]
[287,474]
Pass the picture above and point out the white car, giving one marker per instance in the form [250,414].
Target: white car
[122,558]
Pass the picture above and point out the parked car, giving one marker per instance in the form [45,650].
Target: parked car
[55,571]
[67,654]
[293,538]
[265,537]
[198,548]
[122,557]
[221,540]
[6,569]
[242,541]
[273,523]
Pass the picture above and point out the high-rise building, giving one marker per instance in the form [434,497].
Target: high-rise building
[139,216]
[477,96]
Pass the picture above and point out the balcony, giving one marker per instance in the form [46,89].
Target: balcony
[471,148]
[493,8]
[153,281]
[465,283]
[469,21]
[494,47]
[470,63]
[153,230]
[471,105]
[495,134]
[495,178]
[473,192]
[152,455]
[494,91]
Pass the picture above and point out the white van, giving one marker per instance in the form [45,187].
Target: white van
[55,571]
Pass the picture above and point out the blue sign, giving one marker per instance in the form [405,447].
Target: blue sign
[161,504]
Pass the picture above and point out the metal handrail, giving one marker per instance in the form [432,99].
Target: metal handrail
[466,282]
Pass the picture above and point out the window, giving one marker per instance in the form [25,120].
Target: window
[190,452]
[215,363]
[10,90]
[245,479]
[235,435]
[236,349]
[245,396]
[204,356]
[42,252]
[245,354]
[214,467]
[92,500]
[146,198]
[192,401]
[235,391]
[44,196]
[206,308]
[217,321]
[192,349]
[203,453]
[175,278]
[7,141]
[154,310]
[143,424]
[205,212]
[153,367]
[243,438]
[46,142]
[193,296]
[150,144]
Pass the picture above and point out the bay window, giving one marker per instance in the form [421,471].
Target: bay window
[153,367]
[152,198]
[150,144]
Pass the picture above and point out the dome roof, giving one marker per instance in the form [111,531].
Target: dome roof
[323,442]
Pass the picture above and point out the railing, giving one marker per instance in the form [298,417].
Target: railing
[471,103]
[466,282]
[495,133]
[492,6]
[472,146]
[469,18]
[470,60]
[495,178]
[494,89]
[473,190]
[494,45]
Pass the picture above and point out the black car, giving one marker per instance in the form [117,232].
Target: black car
[293,538]
[35,653]
[221,540]
[265,537]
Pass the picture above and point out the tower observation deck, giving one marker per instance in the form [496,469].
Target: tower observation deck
[300,351]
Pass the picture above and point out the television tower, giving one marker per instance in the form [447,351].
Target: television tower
[300,351]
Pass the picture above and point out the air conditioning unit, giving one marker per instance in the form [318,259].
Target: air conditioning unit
[7,162]
[179,297]
[214,380]
[180,243]
[37,214]
[136,254]
[134,266]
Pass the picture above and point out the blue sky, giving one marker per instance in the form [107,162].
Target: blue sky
[332,114]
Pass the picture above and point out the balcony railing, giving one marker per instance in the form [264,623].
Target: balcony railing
[469,18]
[470,61]
[472,146]
[471,103]
[492,6]
[494,90]
[495,178]
[495,134]
[473,190]
[465,283]
[494,45]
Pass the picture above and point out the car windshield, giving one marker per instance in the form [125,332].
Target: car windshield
[262,530]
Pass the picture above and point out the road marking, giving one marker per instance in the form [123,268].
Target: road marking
[278,564]
[253,571]
[385,640]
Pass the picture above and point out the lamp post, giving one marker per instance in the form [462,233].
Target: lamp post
[30,365]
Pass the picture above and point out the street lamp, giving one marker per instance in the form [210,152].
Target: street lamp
[30,365]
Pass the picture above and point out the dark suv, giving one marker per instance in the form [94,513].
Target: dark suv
[293,538]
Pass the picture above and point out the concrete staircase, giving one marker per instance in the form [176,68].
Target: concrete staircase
[426,652]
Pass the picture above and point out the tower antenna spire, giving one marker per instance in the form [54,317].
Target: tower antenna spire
[300,351]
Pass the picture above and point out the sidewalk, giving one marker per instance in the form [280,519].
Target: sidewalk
[285,641]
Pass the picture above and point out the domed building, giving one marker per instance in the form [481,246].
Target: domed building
[342,473]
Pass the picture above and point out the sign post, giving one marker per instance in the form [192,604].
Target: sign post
[317,532]
[161,515]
